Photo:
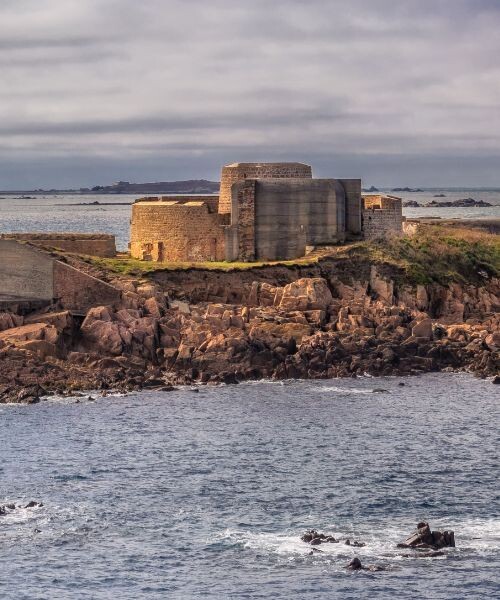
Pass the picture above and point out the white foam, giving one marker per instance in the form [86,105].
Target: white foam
[344,390]
[477,536]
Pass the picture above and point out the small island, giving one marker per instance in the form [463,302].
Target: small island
[462,203]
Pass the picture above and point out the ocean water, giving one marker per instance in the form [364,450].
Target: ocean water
[62,213]
[187,495]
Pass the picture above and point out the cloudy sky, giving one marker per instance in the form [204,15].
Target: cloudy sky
[399,92]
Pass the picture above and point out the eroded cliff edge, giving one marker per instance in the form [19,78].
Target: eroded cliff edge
[398,306]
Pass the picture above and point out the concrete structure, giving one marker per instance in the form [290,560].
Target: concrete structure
[381,214]
[93,244]
[265,211]
[30,274]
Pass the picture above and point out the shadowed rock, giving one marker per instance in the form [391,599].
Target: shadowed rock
[315,538]
[423,537]
[355,565]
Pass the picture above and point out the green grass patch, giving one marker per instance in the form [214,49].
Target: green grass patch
[135,267]
[438,254]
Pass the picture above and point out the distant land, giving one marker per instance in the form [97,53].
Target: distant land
[191,186]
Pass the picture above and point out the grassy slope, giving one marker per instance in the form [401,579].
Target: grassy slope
[436,254]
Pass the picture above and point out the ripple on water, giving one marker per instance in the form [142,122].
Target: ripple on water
[208,498]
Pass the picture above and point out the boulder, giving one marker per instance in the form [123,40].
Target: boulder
[9,320]
[104,335]
[306,294]
[182,306]
[383,288]
[33,331]
[154,308]
[274,334]
[148,290]
[423,329]
[62,320]
[355,564]
[43,348]
[98,313]
[423,537]
[315,538]
[493,341]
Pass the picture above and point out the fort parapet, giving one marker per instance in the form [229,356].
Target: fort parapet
[236,172]
[93,244]
[382,214]
[177,229]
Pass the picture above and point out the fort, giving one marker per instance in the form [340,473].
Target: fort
[264,211]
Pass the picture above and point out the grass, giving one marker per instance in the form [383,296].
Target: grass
[131,266]
[436,254]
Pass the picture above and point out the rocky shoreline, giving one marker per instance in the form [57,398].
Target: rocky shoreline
[250,326]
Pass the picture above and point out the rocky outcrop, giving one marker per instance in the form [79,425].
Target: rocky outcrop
[424,538]
[314,538]
[312,327]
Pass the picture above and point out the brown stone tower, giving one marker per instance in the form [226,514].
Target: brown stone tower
[241,171]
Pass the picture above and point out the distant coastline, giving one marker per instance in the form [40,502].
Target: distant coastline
[190,186]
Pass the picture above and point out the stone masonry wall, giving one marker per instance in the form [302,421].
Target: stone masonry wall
[382,215]
[176,231]
[245,197]
[94,244]
[241,171]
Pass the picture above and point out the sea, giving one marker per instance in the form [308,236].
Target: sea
[204,492]
[79,213]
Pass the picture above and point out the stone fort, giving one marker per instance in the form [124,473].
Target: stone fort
[264,211]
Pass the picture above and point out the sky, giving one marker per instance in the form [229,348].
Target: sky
[398,92]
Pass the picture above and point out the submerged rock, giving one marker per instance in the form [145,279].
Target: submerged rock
[354,543]
[315,538]
[33,504]
[356,565]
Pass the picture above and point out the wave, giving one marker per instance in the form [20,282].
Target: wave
[347,390]
[473,537]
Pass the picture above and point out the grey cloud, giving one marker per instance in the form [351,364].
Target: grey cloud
[13,43]
[169,86]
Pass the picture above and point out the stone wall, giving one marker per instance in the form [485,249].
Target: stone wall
[241,171]
[25,272]
[78,291]
[94,244]
[382,215]
[184,229]
[244,218]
